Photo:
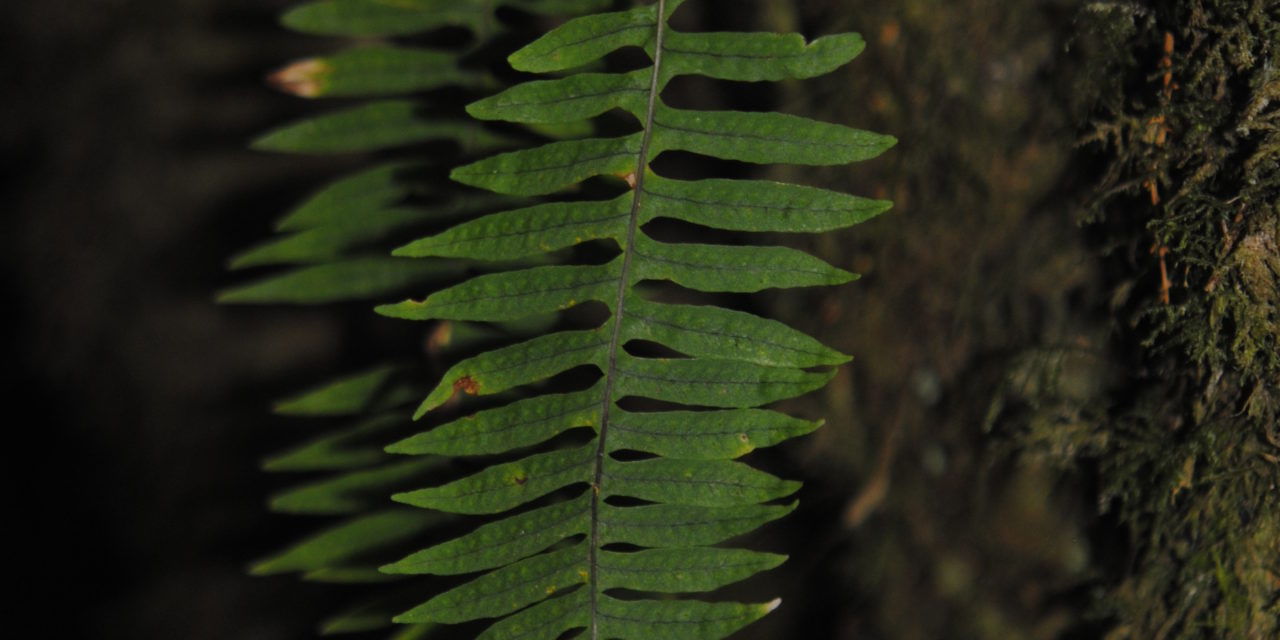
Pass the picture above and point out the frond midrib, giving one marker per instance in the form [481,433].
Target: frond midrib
[624,278]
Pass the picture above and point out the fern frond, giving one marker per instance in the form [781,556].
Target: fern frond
[409,17]
[585,558]
[334,246]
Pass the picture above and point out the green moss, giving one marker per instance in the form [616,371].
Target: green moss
[1184,114]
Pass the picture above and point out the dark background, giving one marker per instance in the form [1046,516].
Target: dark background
[141,407]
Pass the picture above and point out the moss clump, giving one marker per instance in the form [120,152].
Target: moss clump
[1184,116]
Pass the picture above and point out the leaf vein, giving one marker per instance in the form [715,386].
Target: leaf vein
[742,204]
[689,481]
[647,376]
[735,268]
[577,161]
[573,98]
[517,425]
[756,339]
[671,621]
[563,471]
[550,356]
[599,36]
[520,294]
[622,426]
[522,232]
[764,138]
[550,570]
[667,524]
[490,547]
[748,56]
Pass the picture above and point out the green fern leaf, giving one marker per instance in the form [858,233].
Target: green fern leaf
[350,448]
[333,248]
[329,243]
[348,396]
[704,435]
[359,619]
[709,332]
[377,125]
[349,279]
[371,190]
[514,294]
[373,71]
[354,491]
[349,540]
[675,525]
[408,17]
[550,569]
[499,543]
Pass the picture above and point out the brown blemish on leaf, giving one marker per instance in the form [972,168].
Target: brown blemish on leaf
[304,78]
[629,177]
[440,338]
[466,385]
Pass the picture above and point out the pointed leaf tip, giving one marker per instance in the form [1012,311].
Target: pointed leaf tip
[422,410]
